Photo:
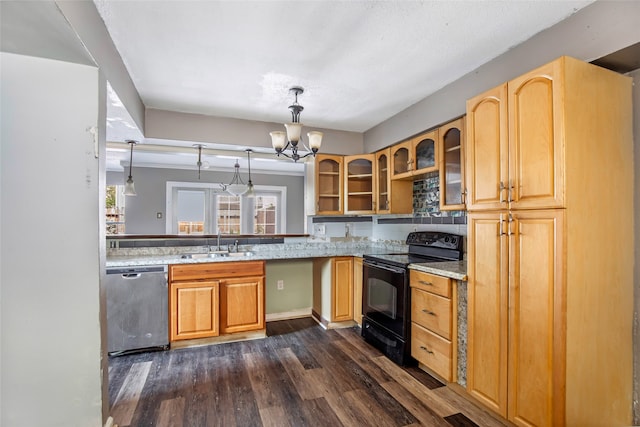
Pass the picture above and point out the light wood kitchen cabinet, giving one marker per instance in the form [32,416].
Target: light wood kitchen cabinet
[333,290]
[452,181]
[357,289]
[515,311]
[359,184]
[541,246]
[329,184]
[393,196]
[516,151]
[242,304]
[434,323]
[194,309]
[210,299]
[415,157]
[342,289]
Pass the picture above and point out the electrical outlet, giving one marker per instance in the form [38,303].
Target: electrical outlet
[280,285]
[320,229]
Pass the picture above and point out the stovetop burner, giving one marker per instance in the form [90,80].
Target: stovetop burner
[402,260]
[424,246]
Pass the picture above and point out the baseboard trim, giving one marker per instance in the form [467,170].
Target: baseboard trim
[331,325]
[287,315]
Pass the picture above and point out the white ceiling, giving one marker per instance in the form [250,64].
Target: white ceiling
[360,62]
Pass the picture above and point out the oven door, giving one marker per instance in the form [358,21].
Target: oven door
[384,296]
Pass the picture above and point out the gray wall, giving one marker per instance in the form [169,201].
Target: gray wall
[140,211]
[174,125]
[87,23]
[595,31]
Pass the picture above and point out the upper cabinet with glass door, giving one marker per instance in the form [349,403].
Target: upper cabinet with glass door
[392,197]
[329,181]
[452,189]
[415,157]
[359,183]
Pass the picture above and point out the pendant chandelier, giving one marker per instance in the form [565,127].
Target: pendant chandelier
[281,140]
[129,188]
[237,187]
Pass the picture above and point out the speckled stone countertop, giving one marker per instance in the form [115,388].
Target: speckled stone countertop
[452,269]
[300,250]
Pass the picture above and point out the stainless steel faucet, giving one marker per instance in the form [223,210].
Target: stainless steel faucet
[219,239]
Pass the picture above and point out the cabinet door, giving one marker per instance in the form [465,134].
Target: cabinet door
[241,304]
[425,153]
[342,289]
[487,156]
[536,154]
[357,290]
[452,185]
[359,183]
[383,201]
[328,184]
[402,160]
[487,271]
[194,309]
[536,310]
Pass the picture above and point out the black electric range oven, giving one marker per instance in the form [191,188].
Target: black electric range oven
[386,296]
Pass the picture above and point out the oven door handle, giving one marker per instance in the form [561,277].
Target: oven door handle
[384,267]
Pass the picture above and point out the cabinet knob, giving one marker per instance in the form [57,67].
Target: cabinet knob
[425,283]
[424,310]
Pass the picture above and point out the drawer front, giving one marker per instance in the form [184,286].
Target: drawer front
[215,270]
[431,311]
[431,283]
[431,350]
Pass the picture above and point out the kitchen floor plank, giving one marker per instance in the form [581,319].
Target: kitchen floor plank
[274,416]
[296,372]
[171,413]
[299,375]
[417,408]
[402,377]
[480,416]
[320,411]
[128,396]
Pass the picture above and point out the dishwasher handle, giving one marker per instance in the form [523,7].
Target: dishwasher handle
[130,276]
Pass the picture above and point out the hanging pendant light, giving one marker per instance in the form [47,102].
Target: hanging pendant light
[129,188]
[280,141]
[250,191]
[200,163]
[236,187]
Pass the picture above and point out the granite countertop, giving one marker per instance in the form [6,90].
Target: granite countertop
[452,269]
[150,256]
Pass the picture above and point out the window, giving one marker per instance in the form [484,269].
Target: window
[202,208]
[265,214]
[115,209]
[228,214]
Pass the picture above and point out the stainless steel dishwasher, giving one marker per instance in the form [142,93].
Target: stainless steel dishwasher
[137,309]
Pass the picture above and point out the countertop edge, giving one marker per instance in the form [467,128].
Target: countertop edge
[451,269]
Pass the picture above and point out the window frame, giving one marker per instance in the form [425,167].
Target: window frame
[247,206]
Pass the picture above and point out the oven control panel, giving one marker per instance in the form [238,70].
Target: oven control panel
[435,239]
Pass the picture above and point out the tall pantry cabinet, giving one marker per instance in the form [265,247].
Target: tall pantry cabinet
[550,252]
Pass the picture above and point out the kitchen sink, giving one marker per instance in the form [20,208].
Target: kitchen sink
[218,254]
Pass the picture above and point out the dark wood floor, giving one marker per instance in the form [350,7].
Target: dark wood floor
[300,375]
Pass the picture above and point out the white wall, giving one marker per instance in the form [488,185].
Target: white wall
[49,281]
